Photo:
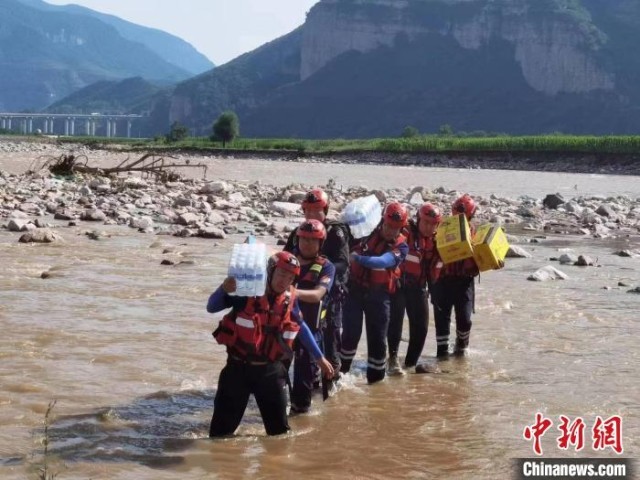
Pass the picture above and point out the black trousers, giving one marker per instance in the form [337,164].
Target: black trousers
[305,372]
[458,294]
[413,300]
[332,331]
[374,306]
[238,380]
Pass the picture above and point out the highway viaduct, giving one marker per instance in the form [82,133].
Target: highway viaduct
[69,124]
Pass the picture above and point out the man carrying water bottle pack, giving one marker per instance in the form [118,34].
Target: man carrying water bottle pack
[372,280]
[259,333]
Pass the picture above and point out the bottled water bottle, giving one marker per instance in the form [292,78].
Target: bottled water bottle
[241,279]
[234,266]
[248,265]
[260,269]
[362,215]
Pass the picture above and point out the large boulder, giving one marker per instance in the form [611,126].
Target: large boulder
[217,187]
[212,232]
[606,210]
[553,201]
[42,235]
[547,273]
[517,252]
[568,258]
[93,215]
[20,225]
[286,208]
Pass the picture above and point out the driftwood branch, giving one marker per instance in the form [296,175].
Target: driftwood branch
[148,164]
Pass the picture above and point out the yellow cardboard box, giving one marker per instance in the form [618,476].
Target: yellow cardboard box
[490,247]
[453,239]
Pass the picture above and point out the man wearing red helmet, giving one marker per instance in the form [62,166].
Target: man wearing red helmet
[372,279]
[419,269]
[259,333]
[315,281]
[455,290]
[336,248]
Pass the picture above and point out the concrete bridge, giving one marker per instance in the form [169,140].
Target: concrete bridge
[69,124]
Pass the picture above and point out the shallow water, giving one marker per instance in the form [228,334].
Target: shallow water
[124,345]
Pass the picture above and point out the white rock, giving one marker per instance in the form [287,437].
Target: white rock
[547,273]
[215,187]
[286,208]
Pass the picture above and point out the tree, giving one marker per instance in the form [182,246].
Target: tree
[445,130]
[410,132]
[226,127]
[178,132]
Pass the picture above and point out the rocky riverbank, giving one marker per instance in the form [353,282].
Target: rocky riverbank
[565,162]
[38,206]
[214,209]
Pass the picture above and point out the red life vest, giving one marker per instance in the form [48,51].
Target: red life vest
[261,331]
[422,262]
[375,278]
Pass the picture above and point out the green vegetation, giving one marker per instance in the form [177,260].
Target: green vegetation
[226,128]
[556,143]
[177,133]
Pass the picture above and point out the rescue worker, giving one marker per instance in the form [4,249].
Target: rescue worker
[372,279]
[315,206]
[259,333]
[455,290]
[314,284]
[419,269]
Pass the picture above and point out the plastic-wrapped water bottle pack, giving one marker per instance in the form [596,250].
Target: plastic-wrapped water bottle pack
[362,215]
[248,265]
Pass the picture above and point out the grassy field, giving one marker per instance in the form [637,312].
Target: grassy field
[420,144]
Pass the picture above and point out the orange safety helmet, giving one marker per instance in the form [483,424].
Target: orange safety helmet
[465,204]
[395,215]
[316,199]
[286,261]
[429,213]
[312,229]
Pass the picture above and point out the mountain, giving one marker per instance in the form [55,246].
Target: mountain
[169,47]
[48,52]
[128,96]
[364,68]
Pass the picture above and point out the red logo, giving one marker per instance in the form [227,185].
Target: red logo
[608,433]
[536,431]
[604,434]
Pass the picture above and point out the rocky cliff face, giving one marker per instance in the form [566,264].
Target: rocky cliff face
[556,51]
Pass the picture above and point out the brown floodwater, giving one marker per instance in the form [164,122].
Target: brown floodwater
[124,345]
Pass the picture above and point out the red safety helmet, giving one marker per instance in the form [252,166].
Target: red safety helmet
[395,215]
[312,229]
[286,261]
[316,199]
[429,213]
[465,204]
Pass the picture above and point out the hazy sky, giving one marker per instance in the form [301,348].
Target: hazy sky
[220,29]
